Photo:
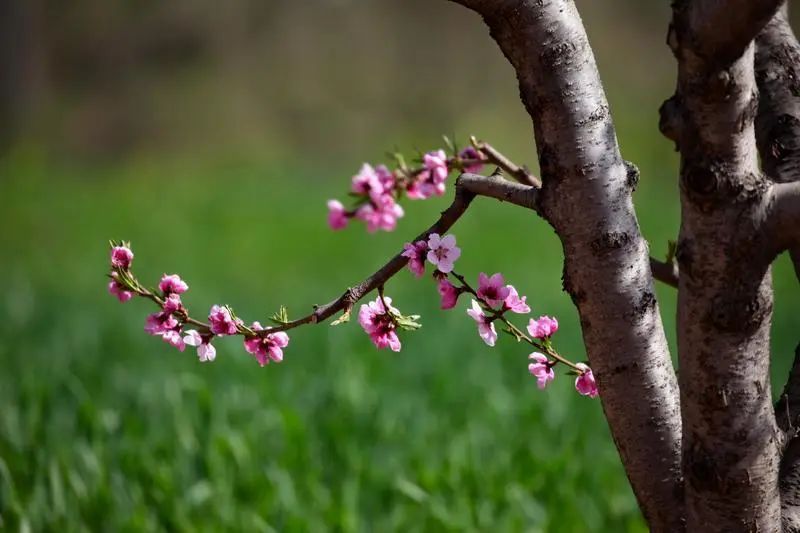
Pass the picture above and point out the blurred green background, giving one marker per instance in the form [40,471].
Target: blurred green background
[210,135]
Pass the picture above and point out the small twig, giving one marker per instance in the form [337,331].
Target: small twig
[665,272]
[521,174]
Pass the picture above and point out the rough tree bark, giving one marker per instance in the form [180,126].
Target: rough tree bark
[707,456]
[586,196]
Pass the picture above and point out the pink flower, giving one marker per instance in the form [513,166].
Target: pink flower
[416,256]
[380,214]
[116,288]
[367,182]
[158,323]
[337,216]
[379,324]
[514,303]
[173,337]
[485,326]
[205,350]
[121,257]
[431,180]
[470,153]
[492,290]
[172,303]
[267,347]
[585,383]
[542,328]
[221,321]
[448,292]
[443,252]
[172,284]
[542,369]
[385,178]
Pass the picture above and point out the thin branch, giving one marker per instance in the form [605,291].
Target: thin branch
[521,174]
[495,186]
[665,272]
[467,187]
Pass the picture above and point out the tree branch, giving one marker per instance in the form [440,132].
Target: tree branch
[586,196]
[721,30]
[777,65]
[731,448]
[665,272]
[467,187]
[783,222]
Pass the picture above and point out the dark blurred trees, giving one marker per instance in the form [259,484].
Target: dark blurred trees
[101,78]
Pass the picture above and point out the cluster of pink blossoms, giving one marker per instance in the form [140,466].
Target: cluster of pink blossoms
[169,322]
[491,301]
[378,190]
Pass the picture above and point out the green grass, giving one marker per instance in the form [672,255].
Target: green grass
[106,429]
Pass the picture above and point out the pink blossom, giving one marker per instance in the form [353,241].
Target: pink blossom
[116,288]
[337,216]
[443,252]
[121,257]
[173,337]
[368,182]
[542,328]
[492,290]
[431,180]
[585,383]
[416,256]
[485,326]
[380,214]
[448,292]
[267,347]
[221,321]
[542,369]
[158,323]
[379,324]
[385,178]
[515,303]
[471,153]
[172,303]
[172,283]
[205,350]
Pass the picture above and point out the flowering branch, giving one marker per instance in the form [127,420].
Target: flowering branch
[376,189]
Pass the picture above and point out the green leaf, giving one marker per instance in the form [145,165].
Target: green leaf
[407,323]
[281,317]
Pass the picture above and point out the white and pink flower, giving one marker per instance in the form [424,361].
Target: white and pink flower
[542,369]
[492,290]
[448,292]
[121,257]
[221,321]
[416,256]
[118,290]
[542,328]
[443,252]
[585,383]
[172,284]
[430,181]
[486,328]
[205,350]
[516,303]
[471,154]
[267,347]
[380,214]
[337,215]
[379,324]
